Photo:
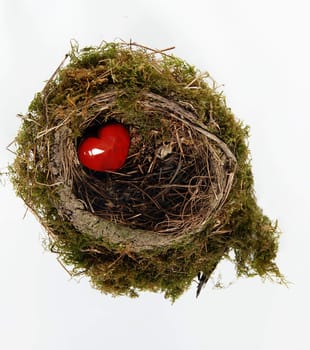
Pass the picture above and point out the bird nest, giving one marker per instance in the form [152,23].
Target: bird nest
[183,199]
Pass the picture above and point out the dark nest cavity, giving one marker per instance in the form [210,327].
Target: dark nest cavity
[168,185]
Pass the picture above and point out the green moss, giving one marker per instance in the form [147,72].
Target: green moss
[250,235]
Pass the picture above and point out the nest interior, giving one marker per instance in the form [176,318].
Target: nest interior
[184,198]
[172,182]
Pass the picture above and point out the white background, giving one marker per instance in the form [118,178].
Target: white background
[259,51]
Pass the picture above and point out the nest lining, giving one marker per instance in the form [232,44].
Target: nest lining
[170,186]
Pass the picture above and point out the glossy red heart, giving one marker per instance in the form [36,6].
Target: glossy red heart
[106,152]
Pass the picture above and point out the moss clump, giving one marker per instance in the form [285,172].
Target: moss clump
[78,97]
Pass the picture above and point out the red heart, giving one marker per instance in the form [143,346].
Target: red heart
[106,152]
